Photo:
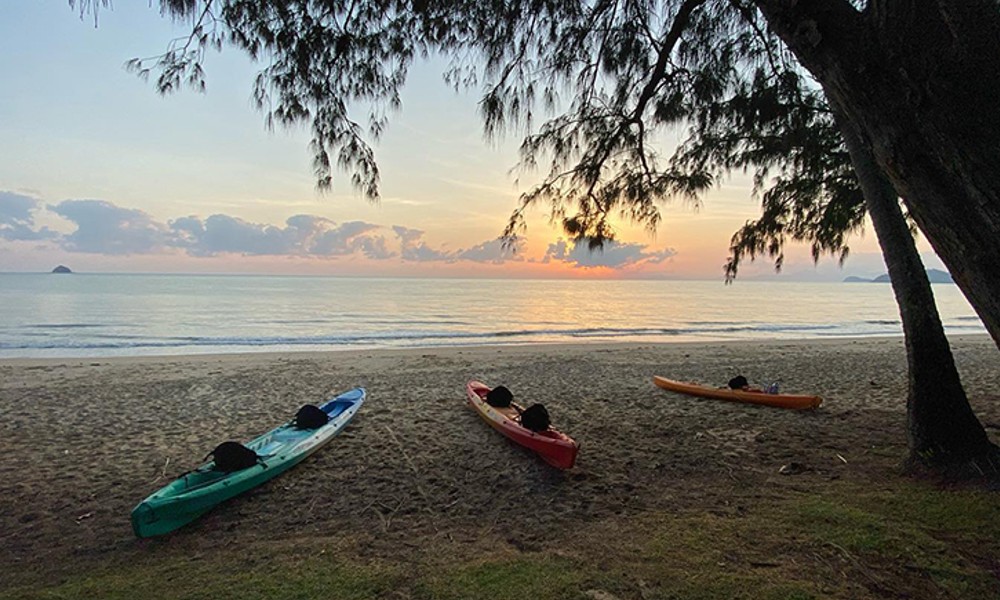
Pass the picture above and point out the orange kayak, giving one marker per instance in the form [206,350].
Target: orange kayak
[555,447]
[777,400]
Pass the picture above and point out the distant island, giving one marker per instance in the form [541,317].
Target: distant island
[934,275]
[61,269]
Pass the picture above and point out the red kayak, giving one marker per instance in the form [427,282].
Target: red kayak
[555,447]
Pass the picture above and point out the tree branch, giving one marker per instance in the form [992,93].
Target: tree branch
[663,55]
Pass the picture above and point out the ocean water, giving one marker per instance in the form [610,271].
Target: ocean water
[92,315]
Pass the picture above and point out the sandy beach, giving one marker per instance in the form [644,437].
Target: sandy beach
[84,440]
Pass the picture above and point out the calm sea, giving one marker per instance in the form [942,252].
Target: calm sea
[83,315]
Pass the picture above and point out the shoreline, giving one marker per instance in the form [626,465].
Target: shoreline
[270,355]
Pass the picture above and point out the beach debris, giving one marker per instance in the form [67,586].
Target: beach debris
[84,516]
[413,466]
[163,471]
[384,512]
[842,459]
[792,468]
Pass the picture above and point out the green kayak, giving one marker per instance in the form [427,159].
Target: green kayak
[195,493]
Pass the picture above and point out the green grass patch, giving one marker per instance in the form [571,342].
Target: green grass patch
[223,580]
[699,557]
[537,577]
[943,537]
[960,511]
[836,541]
[839,523]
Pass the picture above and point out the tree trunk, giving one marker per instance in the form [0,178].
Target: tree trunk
[942,430]
[919,80]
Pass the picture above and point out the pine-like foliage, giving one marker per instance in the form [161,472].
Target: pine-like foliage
[779,128]
[600,90]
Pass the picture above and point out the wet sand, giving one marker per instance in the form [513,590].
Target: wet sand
[83,441]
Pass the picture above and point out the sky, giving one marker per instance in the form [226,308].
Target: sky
[100,173]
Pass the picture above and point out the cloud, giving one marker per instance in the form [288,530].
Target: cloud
[17,219]
[303,235]
[493,251]
[104,228]
[222,234]
[415,249]
[407,235]
[615,254]
[16,209]
[351,237]
[375,248]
